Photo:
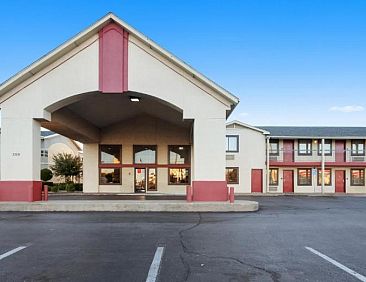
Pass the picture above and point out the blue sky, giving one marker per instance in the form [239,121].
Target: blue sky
[290,62]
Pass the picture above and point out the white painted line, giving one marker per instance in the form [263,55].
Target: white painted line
[12,252]
[336,263]
[155,265]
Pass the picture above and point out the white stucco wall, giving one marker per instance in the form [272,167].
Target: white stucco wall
[251,155]
[74,73]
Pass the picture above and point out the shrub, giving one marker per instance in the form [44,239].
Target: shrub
[54,188]
[46,174]
[61,186]
[70,187]
[78,187]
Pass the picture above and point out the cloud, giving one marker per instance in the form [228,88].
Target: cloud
[347,109]
[243,114]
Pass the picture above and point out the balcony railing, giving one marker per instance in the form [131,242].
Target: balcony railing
[339,156]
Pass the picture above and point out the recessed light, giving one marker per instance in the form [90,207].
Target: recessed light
[134,99]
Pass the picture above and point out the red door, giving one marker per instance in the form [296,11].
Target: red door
[339,181]
[288,151]
[340,152]
[257,180]
[288,181]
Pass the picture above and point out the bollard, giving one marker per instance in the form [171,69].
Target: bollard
[45,192]
[189,193]
[231,195]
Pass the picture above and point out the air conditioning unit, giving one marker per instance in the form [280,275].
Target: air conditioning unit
[230,157]
[273,158]
[358,159]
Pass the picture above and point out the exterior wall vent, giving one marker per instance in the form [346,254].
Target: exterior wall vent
[230,157]
[273,189]
[358,159]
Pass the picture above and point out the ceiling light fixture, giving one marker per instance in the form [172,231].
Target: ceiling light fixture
[134,99]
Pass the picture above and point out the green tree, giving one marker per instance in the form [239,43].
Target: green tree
[67,166]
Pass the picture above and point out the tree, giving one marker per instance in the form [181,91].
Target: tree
[46,174]
[67,166]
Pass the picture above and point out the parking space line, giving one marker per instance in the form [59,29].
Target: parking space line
[339,265]
[12,252]
[155,265]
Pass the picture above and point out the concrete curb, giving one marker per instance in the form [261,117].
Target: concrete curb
[129,206]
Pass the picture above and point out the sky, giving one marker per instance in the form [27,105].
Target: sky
[290,62]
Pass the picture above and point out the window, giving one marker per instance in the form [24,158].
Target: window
[358,148]
[274,149]
[44,153]
[273,176]
[232,143]
[179,154]
[357,177]
[305,147]
[327,147]
[144,154]
[232,175]
[327,177]
[110,154]
[110,164]
[110,176]
[179,176]
[304,177]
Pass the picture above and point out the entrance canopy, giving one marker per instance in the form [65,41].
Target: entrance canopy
[84,118]
[107,75]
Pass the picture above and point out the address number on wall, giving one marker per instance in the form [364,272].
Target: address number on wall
[16,154]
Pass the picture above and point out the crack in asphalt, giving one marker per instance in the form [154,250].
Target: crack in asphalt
[274,275]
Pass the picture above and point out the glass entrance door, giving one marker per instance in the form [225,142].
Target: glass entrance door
[145,180]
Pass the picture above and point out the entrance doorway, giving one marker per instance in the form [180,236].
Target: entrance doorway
[288,181]
[340,186]
[145,180]
[257,180]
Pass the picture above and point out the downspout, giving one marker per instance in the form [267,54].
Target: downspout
[323,165]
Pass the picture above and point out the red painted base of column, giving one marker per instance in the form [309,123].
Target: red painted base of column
[207,190]
[20,191]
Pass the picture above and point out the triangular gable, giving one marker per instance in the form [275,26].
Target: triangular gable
[66,47]
[235,123]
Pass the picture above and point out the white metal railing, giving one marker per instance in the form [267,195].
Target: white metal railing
[348,156]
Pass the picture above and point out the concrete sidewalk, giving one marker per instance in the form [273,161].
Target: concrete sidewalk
[130,206]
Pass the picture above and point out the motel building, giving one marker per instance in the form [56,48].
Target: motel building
[149,123]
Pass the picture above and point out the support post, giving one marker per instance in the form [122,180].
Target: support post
[45,191]
[189,193]
[20,157]
[323,165]
[231,195]
[267,163]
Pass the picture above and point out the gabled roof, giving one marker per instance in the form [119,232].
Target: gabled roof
[242,124]
[315,132]
[92,30]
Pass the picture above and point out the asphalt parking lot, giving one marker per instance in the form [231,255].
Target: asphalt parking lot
[269,245]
